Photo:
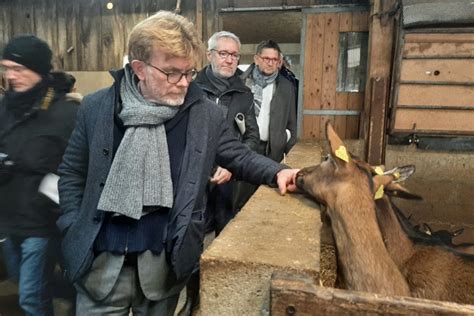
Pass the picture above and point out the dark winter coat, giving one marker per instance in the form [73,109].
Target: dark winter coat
[34,136]
[238,99]
[88,159]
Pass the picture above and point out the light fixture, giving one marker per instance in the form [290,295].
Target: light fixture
[110,5]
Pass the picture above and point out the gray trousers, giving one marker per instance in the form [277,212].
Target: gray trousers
[125,296]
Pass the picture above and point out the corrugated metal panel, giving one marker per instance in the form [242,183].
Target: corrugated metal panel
[437,12]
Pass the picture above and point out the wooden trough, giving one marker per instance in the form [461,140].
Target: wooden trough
[293,294]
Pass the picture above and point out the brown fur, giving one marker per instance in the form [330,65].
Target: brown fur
[401,267]
[432,272]
[345,189]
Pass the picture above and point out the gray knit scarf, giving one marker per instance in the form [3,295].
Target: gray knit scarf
[140,174]
[260,81]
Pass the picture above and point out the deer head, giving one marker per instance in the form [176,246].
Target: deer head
[334,173]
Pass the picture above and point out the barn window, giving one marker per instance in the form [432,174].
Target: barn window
[352,61]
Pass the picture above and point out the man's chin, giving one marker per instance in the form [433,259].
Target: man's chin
[173,101]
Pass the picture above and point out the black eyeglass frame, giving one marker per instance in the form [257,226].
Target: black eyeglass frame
[233,56]
[189,75]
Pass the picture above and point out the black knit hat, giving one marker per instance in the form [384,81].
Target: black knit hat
[31,52]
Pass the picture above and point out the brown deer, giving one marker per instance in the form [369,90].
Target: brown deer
[345,188]
[396,266]
[432,270]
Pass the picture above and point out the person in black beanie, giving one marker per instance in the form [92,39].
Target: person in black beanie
[36,121]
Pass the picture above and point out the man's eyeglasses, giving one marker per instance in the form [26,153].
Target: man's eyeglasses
[223,54]
[175,77]
[269,60]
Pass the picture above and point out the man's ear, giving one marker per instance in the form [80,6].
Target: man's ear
[208,55]
[139,68]
[255,58]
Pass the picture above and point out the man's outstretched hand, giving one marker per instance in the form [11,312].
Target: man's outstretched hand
[286,180]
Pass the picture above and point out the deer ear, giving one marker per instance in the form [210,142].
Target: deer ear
[338,149]
[401,173]
[396,190]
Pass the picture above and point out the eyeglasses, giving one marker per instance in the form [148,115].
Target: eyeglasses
[12,68]
[223,54]
[269,60]
[175,77]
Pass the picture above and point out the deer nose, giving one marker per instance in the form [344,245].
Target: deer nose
[299,180]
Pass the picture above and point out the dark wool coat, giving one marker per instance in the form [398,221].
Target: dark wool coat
[88,159]
[282,116]
[238,99]
[35,141]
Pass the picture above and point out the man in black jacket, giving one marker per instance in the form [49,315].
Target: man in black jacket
[221,82]
[35,124]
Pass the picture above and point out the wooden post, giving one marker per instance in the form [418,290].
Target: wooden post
[377,121]
[199,27]
[381,42]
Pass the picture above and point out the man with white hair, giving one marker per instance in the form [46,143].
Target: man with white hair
[221,83]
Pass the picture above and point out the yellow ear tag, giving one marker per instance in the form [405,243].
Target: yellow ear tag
[379,193]
[396,175]
[378,170]
[341,153]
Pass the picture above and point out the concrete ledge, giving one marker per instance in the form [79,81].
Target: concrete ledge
[272,233]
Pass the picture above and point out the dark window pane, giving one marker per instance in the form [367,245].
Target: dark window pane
[352,61]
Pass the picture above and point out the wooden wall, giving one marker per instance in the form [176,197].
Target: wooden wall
[86,36]
[434,93]
[83,34]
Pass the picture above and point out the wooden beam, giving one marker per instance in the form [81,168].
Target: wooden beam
[199,27]
[296,294]
[381,43]
[377,126]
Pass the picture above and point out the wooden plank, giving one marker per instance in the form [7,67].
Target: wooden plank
[199,28]
[64,17]
[434,121]
[425,50]
[360,22]
[88,43]
[46,28]
[296,294]
[376,142]
[356,102]
[111,40]
[22,17]
[312,84]
[6,24]
[435,95]
[438,70]
[340,121]
[314,61]
[330,55]
[381,42]
[345,22]
[439,38]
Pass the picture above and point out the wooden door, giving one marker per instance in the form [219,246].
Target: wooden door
[320,100]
